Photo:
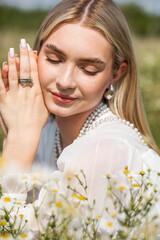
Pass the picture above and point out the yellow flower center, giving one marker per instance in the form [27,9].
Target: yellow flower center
[59,204]
[7,199]
[131,177]
[110,224]
[25,235]
[98,216]
[113,214]
[55,191]
[19,203]
[121,188]
[21,215]
[74,195]
[5,236]
[142,173]
[135,185]
[82,198]
[3,223]
[126,171]
[108,176]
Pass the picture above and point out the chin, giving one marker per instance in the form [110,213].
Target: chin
[60,112]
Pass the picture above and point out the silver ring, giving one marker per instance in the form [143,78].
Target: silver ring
[26,82]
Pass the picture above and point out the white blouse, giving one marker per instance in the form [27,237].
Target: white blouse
[107,149]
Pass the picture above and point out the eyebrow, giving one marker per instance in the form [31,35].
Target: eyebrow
[86,60]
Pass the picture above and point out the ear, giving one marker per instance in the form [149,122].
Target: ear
[116,76]
[120,72]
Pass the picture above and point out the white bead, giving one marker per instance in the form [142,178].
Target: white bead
[92,122]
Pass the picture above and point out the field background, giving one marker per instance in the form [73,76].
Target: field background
[145,28]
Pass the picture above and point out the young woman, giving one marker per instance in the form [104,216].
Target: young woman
[72,112]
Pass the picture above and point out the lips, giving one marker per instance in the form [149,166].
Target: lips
[62,97]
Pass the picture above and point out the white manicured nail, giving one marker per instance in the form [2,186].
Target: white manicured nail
[29,49]
[11,52]
[23,43]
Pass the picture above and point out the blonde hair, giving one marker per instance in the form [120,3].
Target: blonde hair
[105,17]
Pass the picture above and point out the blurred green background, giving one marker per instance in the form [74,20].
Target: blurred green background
[145,28]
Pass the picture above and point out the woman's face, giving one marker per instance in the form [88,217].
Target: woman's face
[75,69]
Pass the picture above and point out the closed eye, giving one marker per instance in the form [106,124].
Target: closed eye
[89,72]
[60,61]
[53,61]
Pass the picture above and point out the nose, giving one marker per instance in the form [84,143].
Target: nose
[65,80]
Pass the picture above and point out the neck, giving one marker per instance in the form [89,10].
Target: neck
[70,127]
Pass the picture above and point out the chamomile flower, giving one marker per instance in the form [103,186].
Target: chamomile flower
[26,236]
[107,226]
[6,236]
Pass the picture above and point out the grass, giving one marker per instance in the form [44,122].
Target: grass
[148,58]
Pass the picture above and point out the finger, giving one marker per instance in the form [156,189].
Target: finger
[5,70]
[34,70]
[18,65]
[12,74]
[36,54]
[2,87]
[24,60]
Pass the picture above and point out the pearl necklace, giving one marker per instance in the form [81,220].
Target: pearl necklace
[92,122]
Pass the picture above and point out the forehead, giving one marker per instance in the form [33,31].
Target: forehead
[74,38]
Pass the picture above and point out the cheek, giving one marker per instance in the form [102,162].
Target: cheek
[41,71]
[94,87]
[46,73]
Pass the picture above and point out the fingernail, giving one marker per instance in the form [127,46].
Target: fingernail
[29,49]
[4,63]
[11,52]
[35,51]
[23,43]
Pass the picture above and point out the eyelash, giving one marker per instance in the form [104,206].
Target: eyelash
[57,62]
[52,61]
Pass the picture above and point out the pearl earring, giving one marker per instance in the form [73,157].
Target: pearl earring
[110,95]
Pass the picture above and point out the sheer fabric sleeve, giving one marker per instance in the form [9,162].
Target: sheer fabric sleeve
[101,154]
[45,156]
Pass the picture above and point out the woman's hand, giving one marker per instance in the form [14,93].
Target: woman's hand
[5,70]
[22,109]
